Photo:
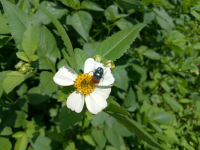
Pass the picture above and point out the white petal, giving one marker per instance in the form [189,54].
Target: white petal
[107,78]
[96,101]
[89,65]
[65,76]
[75,101]
[104,92]
[97,64]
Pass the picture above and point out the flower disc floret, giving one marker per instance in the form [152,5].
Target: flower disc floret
[84,83]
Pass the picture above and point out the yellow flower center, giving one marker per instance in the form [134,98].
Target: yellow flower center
[84,83]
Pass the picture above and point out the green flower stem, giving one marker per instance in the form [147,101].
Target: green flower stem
[6,95]
[61,31]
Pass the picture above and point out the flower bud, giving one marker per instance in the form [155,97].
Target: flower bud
[17,66]
[23,69]
[110,64]
[98,58]
[27,65]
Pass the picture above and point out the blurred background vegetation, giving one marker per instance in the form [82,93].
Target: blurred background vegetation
[158,78]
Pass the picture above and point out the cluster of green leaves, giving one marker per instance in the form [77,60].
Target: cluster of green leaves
[155,102]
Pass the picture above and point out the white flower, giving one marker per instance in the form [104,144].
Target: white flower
[94,95]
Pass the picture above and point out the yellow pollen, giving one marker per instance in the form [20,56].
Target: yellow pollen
[84,83]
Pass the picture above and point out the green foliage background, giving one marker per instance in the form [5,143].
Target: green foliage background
[155,101]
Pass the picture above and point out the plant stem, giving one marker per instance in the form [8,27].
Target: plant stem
[6,95]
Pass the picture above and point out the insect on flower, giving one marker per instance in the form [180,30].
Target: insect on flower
[98,74]
[92,87]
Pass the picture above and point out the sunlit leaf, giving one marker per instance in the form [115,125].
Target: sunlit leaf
[115,46]
[82,22]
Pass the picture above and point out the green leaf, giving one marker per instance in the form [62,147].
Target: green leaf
[135,128]
[157,2]
[4,29]
[141,71]
[162,117]
[165,86]
[5,144]
[172,135]
[69,145]
[67,57]
[123,24]
[34,57]
[128,5]
[41,143]
[29,41]
[88,138]
[99,138]
[35,96]
[2,77]
[55,135]
[4,40]
[184,143]
[22,56]
[116,109]
[114,125]
[121,77]
[54,8]
[61,63]
[111,12]
[89,48]
[108,147]
[113,47]
[6,131]
[151,54]
[98,120]
[25,6]
[34,130]
[18,134]
[47,47]
[156,126]
[185,8]
[195,14]
[61,31]
[81,57]
[21,143]
[115,139]
[91,6]
[196,46]
[82,23]
[47,83]
[75,4]
[12,80]
[130,102]
[163,19]
[187,63]
[69,118]
[149,17]
[172,102]
[120,129]
[134,2]
[18,21]
[17,119]
[23,103]
[66,91]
